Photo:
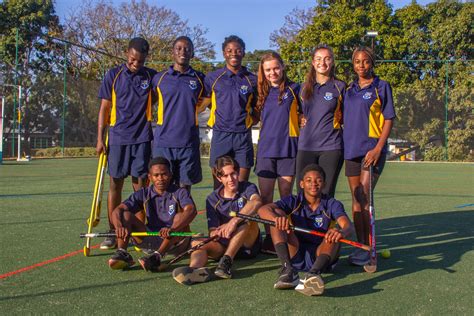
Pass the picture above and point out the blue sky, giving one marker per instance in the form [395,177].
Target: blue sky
[252,20]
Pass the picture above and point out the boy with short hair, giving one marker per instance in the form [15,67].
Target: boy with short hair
[167,208]
[180,88]
[126,101]
[232,92]
[298,251]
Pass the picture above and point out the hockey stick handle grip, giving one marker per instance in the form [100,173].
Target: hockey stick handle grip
[143,234]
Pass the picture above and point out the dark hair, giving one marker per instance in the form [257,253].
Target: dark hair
[233,38]
[370,53]
[139,44]
[313,167]
[223,161]
[185,39]
[159,161]
[308,86]
[262,83]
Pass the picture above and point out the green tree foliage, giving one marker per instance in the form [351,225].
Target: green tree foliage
[37,64]
[435,42]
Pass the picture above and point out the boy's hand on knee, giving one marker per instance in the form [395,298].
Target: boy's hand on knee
[122,232]
[333,235]
[282,223]
[165,232]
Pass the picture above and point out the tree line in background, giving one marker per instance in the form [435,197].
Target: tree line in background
[433,44]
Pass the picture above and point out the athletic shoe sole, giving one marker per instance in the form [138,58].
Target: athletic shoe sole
[221,274]
[188,275]
[286,285]
[311,286]
[107,246]
[115,264]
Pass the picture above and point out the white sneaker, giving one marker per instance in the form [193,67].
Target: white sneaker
[311,285]
[359,257]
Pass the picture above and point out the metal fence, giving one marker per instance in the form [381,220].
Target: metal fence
[58,105]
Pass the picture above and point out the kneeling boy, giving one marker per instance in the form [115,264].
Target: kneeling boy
[167,208]
[234,237]
[303,252]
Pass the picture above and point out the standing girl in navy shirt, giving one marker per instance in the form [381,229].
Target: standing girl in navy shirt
[320,141]
[368,120]
[278,105]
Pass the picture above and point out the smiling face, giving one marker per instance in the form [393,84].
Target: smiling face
[233,54]
[273,71]
[229,178]
[323,62]
[182,53]
[160,176]
[363,65]
[135,60]
[312,183]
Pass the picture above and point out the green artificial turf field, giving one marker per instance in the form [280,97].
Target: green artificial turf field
[423,217]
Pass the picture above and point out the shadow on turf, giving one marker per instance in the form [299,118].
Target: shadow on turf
[76,289]
[423,242]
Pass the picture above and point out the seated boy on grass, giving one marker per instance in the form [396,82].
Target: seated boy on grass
[234,237]
[298,251]
[167,208]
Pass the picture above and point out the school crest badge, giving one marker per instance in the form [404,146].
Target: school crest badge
[367,96]
[240,203]
[193,84]
[328,96]
[171,209]
[318,222]
[144,84]
[285,96]
[244,89]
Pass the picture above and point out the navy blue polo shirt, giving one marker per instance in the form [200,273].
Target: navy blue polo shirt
[301,215]
[178,95]
[280,130]
[160,209]
[218,207]
[322,130]
[365,111]
[131,97]
[233,98]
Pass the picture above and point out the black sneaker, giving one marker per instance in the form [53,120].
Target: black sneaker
[287,279]
[312,284]
[121,259]
[151,262]
[109,242]
[267,246]
[224,267]
[188,275]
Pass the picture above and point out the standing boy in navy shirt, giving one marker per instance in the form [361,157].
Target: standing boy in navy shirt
[232,93]
[298,251]
[176,136]
[126,101]
[167,207]
[234,237]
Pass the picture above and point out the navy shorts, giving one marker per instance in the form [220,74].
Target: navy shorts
[237,145]
[354,166]
[125,160]
[275,167]
[305,257]
[185,163]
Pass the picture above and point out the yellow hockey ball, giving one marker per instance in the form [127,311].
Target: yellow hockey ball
[385,253]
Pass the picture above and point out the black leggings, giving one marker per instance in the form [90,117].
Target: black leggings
[331,161]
